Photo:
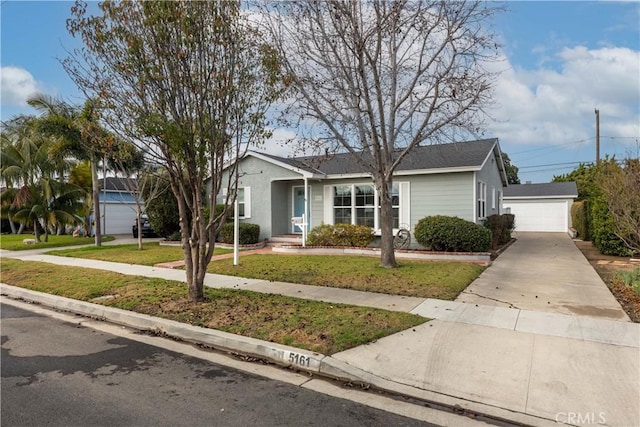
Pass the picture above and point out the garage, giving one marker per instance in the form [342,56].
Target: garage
[117,206]
[541,207]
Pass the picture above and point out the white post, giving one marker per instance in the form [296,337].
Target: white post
[236,230]
[305,216]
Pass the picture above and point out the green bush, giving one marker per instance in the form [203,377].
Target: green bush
[248,234]
[341,235]
[602,229]
[501,227]
[452,234]
[630,278]
[580,218]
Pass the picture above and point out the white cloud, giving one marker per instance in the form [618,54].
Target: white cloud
[16,84]
[556,105]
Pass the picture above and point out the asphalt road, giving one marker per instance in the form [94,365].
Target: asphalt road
[57,373]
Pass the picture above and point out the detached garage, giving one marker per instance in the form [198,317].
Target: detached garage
[117,206]
[541,207]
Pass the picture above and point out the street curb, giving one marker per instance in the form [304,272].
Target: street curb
[281,355]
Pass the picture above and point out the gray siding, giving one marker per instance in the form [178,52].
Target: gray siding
[448,194]
[269,203]
[490,175]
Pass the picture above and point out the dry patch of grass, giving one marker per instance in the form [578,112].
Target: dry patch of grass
[316,326]
[426,279]
[13,242]
[152,253]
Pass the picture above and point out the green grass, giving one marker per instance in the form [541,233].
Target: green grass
[427,279]
[316,326]
[152,253]
[13,242]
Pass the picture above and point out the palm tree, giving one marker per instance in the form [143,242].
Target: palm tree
[79,134]
[24,160]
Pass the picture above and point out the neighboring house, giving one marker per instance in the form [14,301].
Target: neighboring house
[117,206]
[463,179]
[541,207]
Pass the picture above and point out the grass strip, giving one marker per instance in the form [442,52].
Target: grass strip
[316,326]
[152,253]
[13,242]
[425,279]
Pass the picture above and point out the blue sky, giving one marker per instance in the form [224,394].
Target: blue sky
[561,60]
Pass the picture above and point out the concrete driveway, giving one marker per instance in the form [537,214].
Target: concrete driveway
[544,272]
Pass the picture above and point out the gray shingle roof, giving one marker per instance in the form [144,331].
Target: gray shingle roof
[469,154]
[111,183]
[552,189]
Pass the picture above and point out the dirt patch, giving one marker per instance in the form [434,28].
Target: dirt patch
[607,266]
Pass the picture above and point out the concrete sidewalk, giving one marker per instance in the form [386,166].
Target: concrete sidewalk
[523,365]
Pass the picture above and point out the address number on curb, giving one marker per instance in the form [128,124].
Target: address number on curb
[299,359]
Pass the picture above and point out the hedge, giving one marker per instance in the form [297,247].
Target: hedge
[580,218]
[358,236]
[501,227]
[452,234]
[249,234]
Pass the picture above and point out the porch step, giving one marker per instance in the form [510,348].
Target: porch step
[286,239]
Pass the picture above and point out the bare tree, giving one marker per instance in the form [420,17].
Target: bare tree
[620,186]
[192,81]
[378,78]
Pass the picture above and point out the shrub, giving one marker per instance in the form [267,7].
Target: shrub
[602,230]
[580,218]
[248,234]
[501,227]
[630,278]
[341,235]
[452,234]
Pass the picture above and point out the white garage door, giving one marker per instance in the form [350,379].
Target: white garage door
[119,218]
[549,216]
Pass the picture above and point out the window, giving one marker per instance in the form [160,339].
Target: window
[500,202]
[482,199]
[244,201]
[493,197]
[342,204]
[365,209]
[359,204]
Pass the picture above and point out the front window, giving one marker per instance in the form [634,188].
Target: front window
[359,204]
[365,208]
[342,204]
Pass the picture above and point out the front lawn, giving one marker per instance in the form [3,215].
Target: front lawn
[151,254]
[316,326]
[13,242]
[426,279]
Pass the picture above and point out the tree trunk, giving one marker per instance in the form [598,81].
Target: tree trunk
[139,221]
[96,202]
[12,225]
[387,251]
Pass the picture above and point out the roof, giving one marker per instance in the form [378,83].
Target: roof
[111,183]
[552,189]
[469,155]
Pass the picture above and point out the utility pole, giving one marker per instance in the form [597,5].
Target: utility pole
[597,136]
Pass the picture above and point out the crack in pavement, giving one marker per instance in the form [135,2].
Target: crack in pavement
[492,299]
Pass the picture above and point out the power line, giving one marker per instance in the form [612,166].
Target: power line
[553,146]
[555,164]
